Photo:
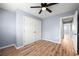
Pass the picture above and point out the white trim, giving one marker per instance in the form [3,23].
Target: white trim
[52,41]
[24,45]
[60,30]
[19,47]
[11,46]
[7,46]
[67,17]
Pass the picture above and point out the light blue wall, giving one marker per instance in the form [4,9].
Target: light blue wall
[7,27]
[51,26]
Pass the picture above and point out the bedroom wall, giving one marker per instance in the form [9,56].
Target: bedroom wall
[51,26]
[10,31]
[7,27]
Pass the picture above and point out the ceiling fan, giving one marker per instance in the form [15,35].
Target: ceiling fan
[44,6]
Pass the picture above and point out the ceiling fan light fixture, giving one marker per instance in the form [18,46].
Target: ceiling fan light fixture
[43,8]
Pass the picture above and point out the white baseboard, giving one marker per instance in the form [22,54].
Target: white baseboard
[20,47]
[10,46]
[52,41]
[24,45]
[7,46]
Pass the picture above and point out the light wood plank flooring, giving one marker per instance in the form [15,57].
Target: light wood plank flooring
[38,48]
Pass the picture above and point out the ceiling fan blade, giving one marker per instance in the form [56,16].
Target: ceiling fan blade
[40,11]
[43,4]
[48,10]
[36,7]
[51,4]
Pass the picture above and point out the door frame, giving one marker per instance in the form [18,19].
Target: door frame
[61,24]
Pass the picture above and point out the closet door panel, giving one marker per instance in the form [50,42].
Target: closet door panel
[32,30]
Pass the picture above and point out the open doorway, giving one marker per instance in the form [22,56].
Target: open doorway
[67,40]
[68,32]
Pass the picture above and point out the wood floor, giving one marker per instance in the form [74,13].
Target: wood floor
[38,48]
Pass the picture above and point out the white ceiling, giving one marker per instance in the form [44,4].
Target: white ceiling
[56,9]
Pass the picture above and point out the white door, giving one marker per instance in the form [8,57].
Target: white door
[74,28]
[32,30]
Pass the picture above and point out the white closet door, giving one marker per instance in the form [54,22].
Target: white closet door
[32,30]
[37,29]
